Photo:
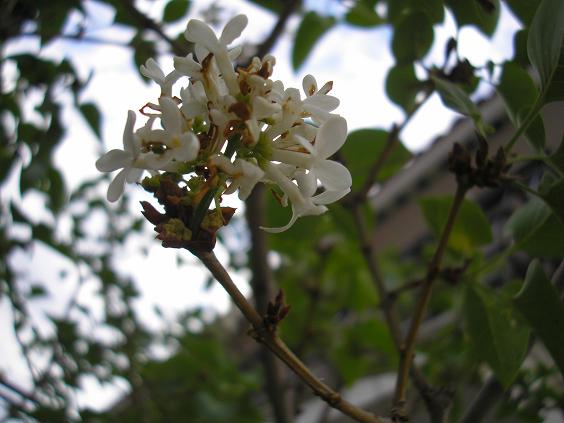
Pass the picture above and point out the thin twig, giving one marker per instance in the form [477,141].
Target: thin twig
[391,142]
[273,342]
[408,348]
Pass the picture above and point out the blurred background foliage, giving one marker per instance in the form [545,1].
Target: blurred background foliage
[209,372]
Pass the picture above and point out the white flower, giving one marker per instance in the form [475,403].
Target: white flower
[181,144]
[330,137]
[202,35]
[244,174]
[318,104]
[152,70]
[301,205]
[122,159]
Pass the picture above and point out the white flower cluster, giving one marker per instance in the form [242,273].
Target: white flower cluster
[237,123]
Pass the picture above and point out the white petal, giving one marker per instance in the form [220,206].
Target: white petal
[324,102]
[113,160]
[129,141]
[199,32]
[307,182]
[305,144]
[152,70]
[201,52]
[331,136]
[254,130]
[189,149]
[171,117]
[262,108]
[115,190]
[333,175]
[309,85]
[328,197]
[133,175]
[235,52]
[187,65]
[233,29]
[282,228]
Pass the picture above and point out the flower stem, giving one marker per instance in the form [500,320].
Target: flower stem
[273,342]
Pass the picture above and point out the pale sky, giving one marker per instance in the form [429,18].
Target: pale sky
[356,60]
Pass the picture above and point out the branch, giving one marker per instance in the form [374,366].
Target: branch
[271,340]
[262,284]
[272,38]
[408,349]
[147,23]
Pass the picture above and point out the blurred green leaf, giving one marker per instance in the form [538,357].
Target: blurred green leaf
[92,115]
[275,6]
[557,157]
[434,9]
[540,303]
[536,230]
[458,100]
[483,14]
[363,14]
[546,35]
[143,50]
[402,86]
[413,37]
[523,9]
[361,150]
[175,10]
[471,228]
[554,197]
[311,29]
[519,101]
[496,334]
[520,55]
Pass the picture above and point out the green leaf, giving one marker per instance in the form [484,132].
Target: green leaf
[483,14]
[363,15]
[413,37]
[143,50]
[557,157]
[402,86]
[56,190]
[363,147]
[275,6]
[555,90]
[471,228]
[546,35]
[554,197]
[519,94]
[540,303]
[92,115]
[523,9]
[536,230]
[520,48]
[434,9]
[312,27]
[457,99]
[175,10]
[496,335]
